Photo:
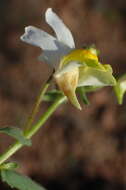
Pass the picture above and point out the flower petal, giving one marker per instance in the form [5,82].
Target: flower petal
[89,76]
[67,68]
[53,57]
[37,37]
[62,32]
[53,49]
[67,80]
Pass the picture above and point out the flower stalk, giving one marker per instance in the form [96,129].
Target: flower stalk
[37,104]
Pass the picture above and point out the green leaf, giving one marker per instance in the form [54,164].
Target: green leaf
[89,76]
[17,134]
[8,166]
[16,180]
[120,88]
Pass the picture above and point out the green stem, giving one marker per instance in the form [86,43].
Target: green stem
[36,106]
[28,134]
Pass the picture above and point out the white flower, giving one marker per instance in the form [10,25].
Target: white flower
[54,48]
[73,67]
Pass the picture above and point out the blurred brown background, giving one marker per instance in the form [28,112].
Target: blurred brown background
[74,150]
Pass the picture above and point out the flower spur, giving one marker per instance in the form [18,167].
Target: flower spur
[73,67]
